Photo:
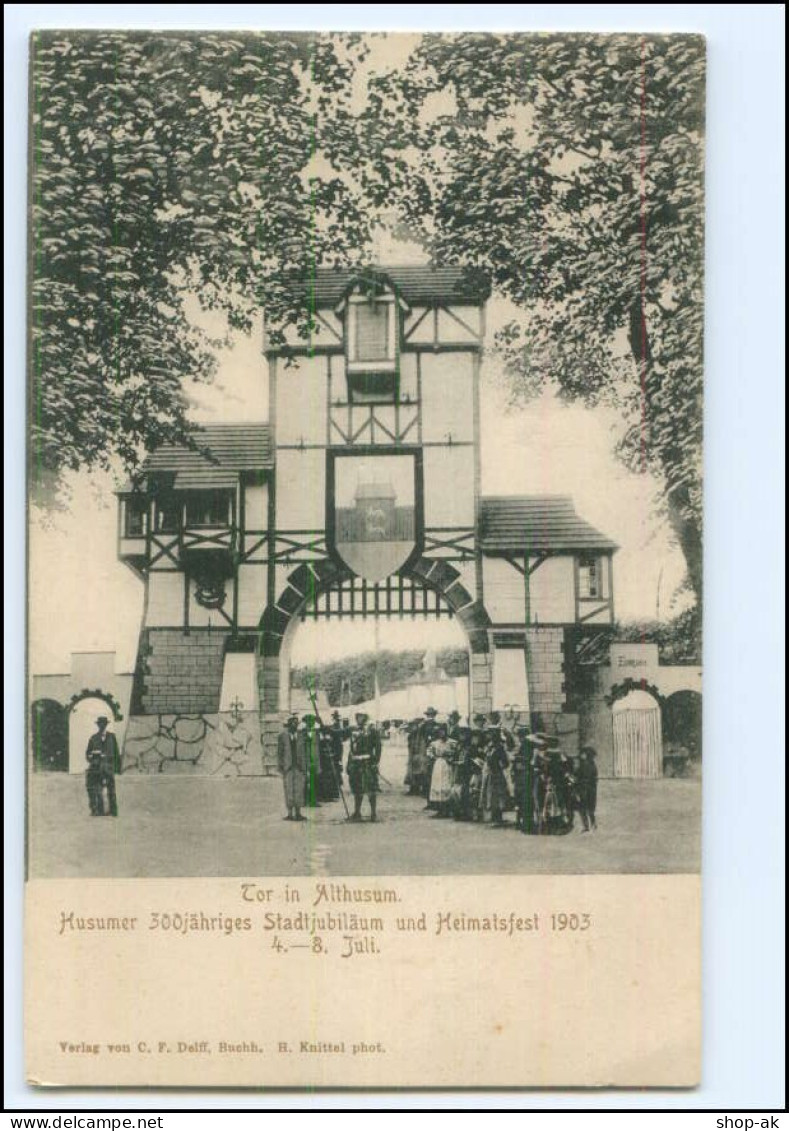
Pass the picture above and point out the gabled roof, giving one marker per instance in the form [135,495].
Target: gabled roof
[230,448]
[417,285]
[536,522]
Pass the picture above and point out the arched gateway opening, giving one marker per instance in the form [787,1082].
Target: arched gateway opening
[429,591]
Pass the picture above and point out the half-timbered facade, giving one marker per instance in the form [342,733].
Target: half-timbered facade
[360,497]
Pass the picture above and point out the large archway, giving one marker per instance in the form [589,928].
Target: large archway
[429,590]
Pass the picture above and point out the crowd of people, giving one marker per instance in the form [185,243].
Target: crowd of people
[479,772]
[482,771]
[470,773]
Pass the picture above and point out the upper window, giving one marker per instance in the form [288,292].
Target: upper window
[372,331]
[371,349]
[136,511]
[371,311]
[590,577]
[208,508]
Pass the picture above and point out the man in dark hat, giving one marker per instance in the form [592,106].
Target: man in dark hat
[291,761]
[103,760]
[363,759]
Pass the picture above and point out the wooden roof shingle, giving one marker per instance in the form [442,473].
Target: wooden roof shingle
[536,523]
[418,285]
[228,447]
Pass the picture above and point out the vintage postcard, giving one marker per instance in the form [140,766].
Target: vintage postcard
[365,559]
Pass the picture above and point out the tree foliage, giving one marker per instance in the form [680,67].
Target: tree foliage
[164,166]
[570,169]
[678,640]
[357,672]
[567,168]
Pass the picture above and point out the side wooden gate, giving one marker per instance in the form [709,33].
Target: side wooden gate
[638,739]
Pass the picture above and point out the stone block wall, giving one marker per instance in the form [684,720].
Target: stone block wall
[208,745]
[545,670]
[180,672]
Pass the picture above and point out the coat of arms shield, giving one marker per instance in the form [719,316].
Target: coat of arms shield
[375,528]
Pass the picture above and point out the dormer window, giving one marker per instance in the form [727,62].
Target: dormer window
[373,336]
[371,311]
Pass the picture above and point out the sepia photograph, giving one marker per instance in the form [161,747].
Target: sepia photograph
[394,576]
[365,410]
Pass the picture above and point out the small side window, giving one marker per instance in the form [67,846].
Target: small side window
[590,577]
[136,511]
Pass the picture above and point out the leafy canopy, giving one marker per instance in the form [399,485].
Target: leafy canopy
[165,166]
[570,169]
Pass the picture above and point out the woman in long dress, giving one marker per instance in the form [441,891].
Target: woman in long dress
[440,754]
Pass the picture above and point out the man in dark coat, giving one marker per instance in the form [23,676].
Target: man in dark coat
[587,787]
[103,760]
[363,759]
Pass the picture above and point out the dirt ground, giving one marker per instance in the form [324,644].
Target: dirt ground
[192,826]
